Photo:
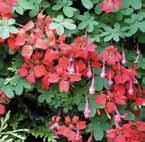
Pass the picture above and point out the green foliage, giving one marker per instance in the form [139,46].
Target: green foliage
[14,86]
[10,135]
[65,6]
[32,5]
[60,24]
[87,4]
[98,126]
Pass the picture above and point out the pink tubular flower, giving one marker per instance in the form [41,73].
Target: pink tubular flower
[92,87]
[87,111]
[123,57]
[103,73]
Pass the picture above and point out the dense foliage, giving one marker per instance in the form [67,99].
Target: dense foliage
[72,70]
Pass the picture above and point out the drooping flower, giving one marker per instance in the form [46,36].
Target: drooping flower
[123,57]
[87,111]
[92,86]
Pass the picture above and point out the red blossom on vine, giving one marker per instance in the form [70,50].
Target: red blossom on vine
[71,129]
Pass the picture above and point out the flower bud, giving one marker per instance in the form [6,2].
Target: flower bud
[89,73]
[103,71]
[123,57]
[87,112]
[92,87]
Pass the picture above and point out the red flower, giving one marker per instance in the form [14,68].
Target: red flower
[23,72]
[12,43]
[64,86]
[31,78]
[111,55]
[101,99]
[27,51]
[2,109]
[71,129]
[110,107]
[129,132]
[6,6]
[109,5]
[39,71]
[44,82]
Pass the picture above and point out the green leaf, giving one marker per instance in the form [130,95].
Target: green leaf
[69,26]
[60,30]
[87,4]
[98,126]
[34,11]
[19,89]
[53,25]
[19,10]
[83,25]
[45,96]
[136,4]
[98,132]
[8,90]
[13,29]
[99,83]
[127,11]
[68,11]
[4,32]
[56,7]
[59,19]
[142,26]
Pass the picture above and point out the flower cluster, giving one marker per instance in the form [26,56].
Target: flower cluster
[130,132]
[6,7]
[71,129]
[122,81]
[109,5]
[49,58]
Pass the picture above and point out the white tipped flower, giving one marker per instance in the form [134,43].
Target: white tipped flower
[92,86]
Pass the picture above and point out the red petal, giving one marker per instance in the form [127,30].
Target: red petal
[110,107]
[67,120]
[21,38]
[29,26]
[75,119]
[2,109]
[64,86]
[101,99]
[27,51]
[53,77]
[30,78]
[23,72]
[81,125]
[12,43]
[41,44]
[44,82]
[120,139]
[51,37]
[39,71]
[76,77]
